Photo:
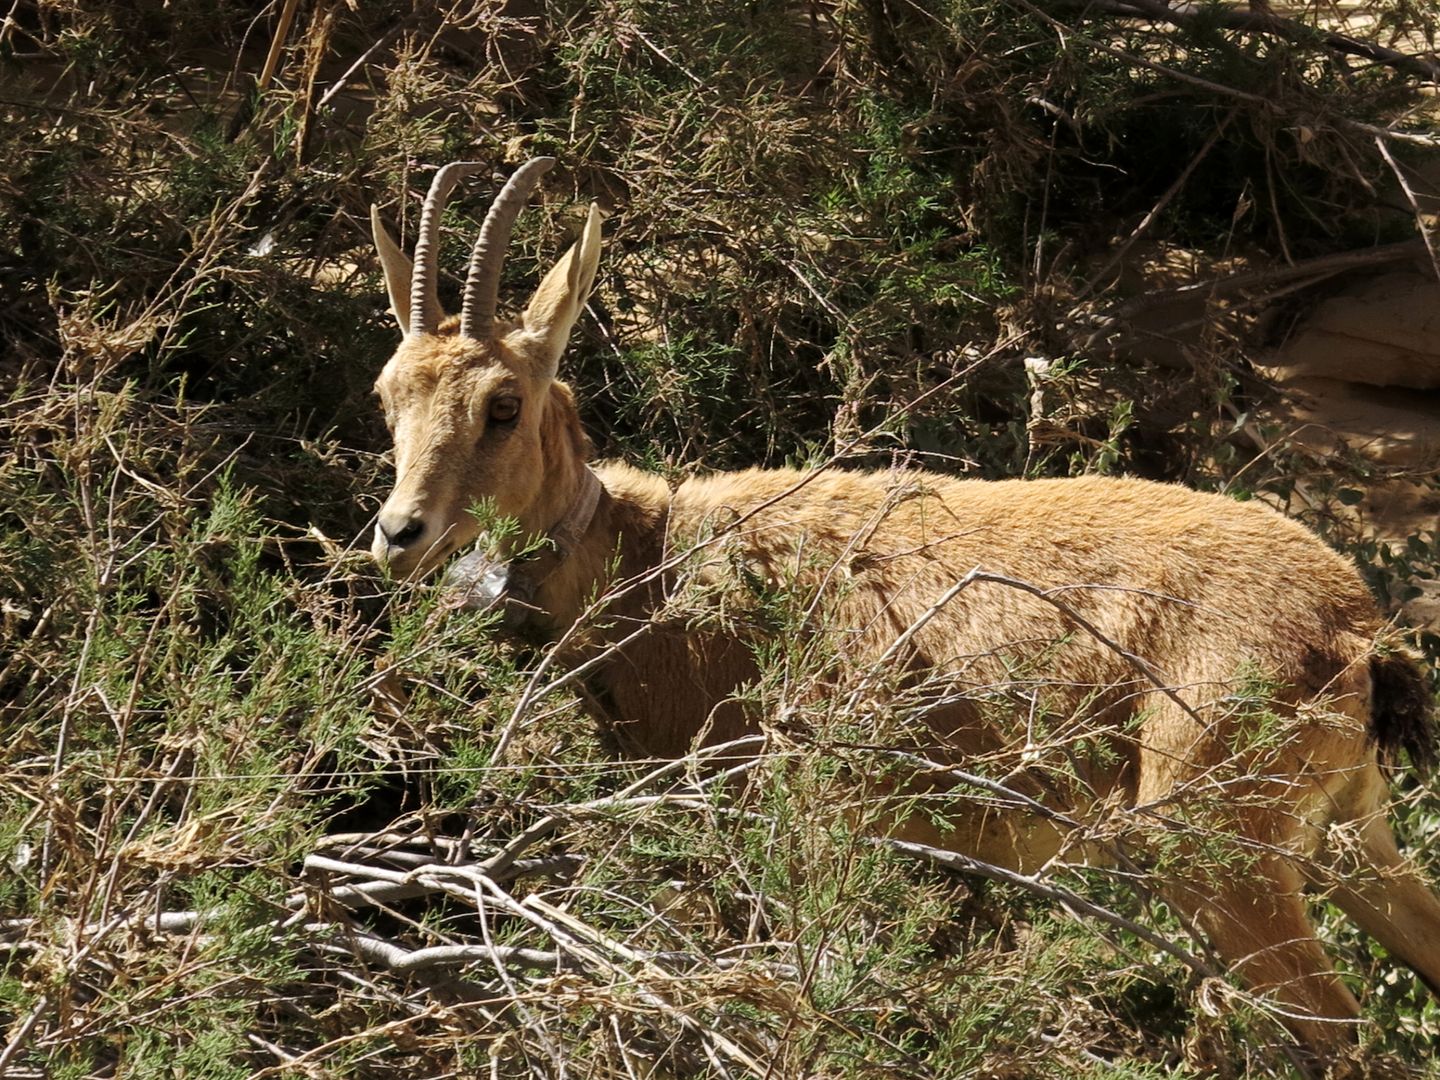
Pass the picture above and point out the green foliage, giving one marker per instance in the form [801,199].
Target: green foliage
[835,229]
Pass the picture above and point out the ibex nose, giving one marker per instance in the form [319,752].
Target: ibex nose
[399,531]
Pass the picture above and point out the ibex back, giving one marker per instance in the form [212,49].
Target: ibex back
[1205,667]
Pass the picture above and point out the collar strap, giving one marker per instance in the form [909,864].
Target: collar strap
[523,576]
[569,529]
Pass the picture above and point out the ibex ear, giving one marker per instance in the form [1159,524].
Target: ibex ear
[397,267]
[558,301]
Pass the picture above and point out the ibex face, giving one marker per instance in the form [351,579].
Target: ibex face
[465,399]
[464,417]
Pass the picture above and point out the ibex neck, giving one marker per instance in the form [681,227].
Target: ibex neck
[624,538]
[567,486]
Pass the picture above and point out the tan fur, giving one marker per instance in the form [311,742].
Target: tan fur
[1212,594]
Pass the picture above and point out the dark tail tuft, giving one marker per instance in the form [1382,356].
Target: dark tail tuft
[1401,709]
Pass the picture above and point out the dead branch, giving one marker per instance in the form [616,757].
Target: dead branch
[1253,21]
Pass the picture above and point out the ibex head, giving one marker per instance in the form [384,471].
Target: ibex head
[465,399]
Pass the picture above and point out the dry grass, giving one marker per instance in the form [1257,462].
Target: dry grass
[251,809]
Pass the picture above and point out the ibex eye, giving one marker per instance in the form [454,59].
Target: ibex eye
[503,410]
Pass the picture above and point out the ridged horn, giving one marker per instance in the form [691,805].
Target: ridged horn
[425,313]
[482,279]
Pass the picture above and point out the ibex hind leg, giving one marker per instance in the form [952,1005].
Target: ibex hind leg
[1247,893]
[1362,870]
[1259,925]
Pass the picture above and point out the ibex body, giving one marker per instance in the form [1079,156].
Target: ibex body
[1127,624]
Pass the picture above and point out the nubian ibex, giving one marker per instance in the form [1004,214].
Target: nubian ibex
[1204,665]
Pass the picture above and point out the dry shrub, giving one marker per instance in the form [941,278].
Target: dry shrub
[250,805]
